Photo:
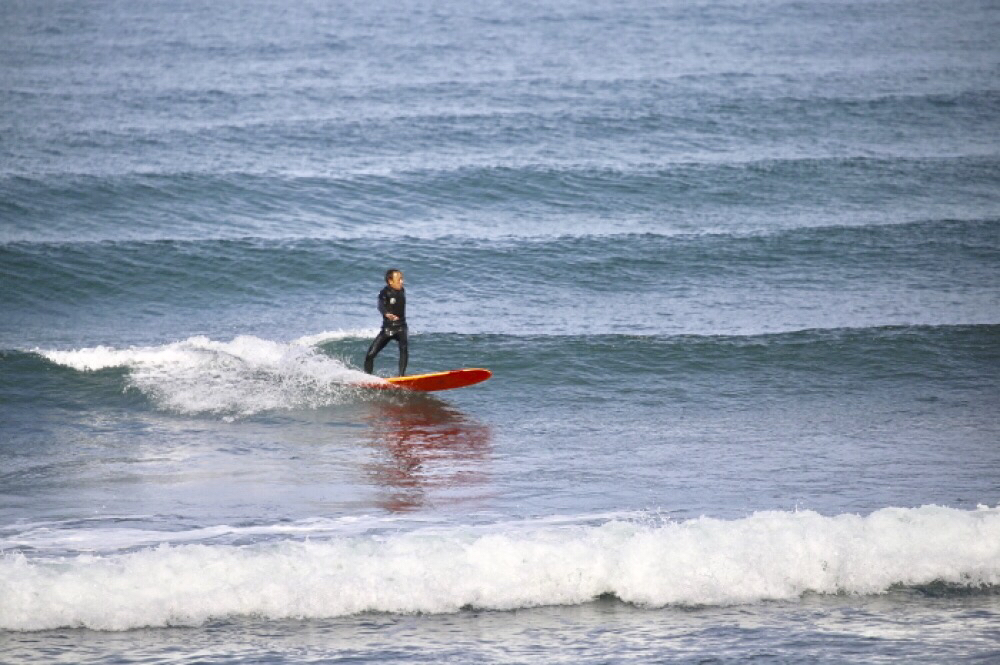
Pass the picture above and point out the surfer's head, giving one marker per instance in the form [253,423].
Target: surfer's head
[394,278]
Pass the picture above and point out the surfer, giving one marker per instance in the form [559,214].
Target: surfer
[392,306]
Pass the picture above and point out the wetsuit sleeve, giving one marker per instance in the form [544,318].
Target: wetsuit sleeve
[383,303]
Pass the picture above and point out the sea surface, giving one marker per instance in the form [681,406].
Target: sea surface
[735,266]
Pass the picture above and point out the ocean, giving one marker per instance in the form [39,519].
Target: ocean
[735,266]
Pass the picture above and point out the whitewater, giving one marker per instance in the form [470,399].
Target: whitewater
[241,377]
[766,556]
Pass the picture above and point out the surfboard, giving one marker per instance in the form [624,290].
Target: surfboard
[456,378]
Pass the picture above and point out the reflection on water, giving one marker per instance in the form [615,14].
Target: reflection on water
[427,452]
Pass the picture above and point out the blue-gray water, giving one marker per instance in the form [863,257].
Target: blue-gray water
[735,266]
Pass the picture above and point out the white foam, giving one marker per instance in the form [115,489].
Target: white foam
[97,535]
[770,555]
[335,335]
[240,377]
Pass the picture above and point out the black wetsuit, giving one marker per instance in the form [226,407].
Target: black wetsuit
[390,301]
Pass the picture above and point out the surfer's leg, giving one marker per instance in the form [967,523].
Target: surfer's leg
[377,345]
[404,351]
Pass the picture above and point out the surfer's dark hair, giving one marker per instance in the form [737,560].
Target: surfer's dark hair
[389,273]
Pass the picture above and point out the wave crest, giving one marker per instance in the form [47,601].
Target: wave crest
[237,378]
[705,561]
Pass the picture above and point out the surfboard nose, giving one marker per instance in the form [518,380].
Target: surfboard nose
[449,380]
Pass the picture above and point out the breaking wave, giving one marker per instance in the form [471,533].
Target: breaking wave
[237,378]
[647,562]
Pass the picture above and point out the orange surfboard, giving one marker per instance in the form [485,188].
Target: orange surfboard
[456,378]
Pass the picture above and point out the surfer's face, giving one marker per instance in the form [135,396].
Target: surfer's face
[396,281]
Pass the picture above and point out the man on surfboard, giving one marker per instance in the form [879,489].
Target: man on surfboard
[392,306]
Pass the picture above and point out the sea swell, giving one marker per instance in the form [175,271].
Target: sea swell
[248,375]
[235,203]
[953,252]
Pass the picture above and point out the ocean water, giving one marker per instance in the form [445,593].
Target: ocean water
[735,266]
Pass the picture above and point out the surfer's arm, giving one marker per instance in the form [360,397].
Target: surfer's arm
[383,307]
